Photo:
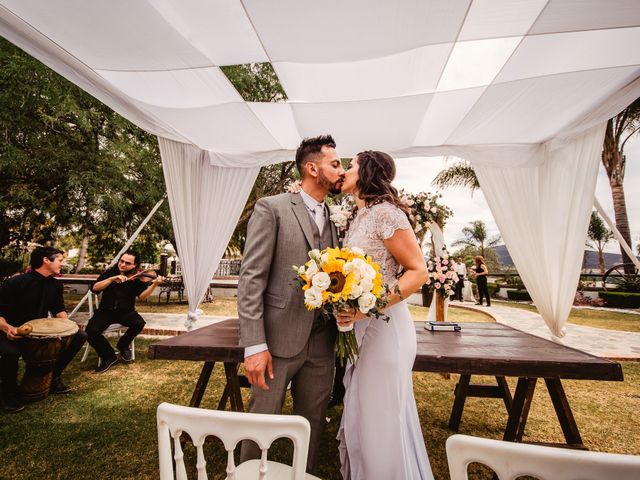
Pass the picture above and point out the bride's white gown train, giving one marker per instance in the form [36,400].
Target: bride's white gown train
[380,435]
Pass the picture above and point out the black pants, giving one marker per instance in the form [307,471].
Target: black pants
[11,351]
[483,291]
[459,287]
[101,321]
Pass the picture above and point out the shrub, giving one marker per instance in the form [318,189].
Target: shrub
[621,299]
[493,289]
[582,300]
[520,295]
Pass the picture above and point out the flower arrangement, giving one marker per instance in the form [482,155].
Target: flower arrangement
[341,212]
[442,275]
[426,209]
[338,279]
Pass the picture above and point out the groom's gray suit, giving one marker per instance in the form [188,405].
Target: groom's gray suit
[271,308]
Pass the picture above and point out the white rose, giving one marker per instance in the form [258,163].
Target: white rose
[312,269]
[366,302]
[410,202]
[313,297]
[356,265]
[356,291]
[434,209]
[357,251]
[339,218]
[323,258]
[368,271]
[321,280]
[366,284]
[314,254]
[301,270]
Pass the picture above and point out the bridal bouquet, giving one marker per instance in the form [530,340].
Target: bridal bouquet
[442,276]
[338,279]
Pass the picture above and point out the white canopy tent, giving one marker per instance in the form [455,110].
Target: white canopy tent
[521,88]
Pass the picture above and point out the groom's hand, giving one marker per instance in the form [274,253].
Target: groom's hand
[255,366]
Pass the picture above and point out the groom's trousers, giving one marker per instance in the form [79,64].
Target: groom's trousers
[311,375]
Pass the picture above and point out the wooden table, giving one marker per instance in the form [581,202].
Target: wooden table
[479,349]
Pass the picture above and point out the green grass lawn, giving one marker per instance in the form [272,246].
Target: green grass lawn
[625,322]
[106,428]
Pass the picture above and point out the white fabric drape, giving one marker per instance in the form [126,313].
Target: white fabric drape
[543,214]
[437,237]
[206,202]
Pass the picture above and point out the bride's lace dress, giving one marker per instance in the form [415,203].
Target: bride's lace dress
[380,435]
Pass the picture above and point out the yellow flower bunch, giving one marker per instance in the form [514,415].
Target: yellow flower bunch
[341,275]
[344,278]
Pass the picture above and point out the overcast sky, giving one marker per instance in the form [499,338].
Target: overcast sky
[416,174]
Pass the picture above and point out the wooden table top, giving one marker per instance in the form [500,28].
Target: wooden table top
[478,349]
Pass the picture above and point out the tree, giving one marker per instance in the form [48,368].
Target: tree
[599,235]
[619,129]
[71,166]
[468,253]
[475,235]
[460,174]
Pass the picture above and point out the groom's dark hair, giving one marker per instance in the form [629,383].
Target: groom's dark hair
[311,146]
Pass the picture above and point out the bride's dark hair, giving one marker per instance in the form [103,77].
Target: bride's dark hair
[376,171]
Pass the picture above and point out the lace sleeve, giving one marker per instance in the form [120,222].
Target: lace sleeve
[390,218]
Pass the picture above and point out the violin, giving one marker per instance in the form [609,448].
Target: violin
[145,276]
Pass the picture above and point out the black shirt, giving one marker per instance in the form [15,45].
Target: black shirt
[120,296]
[29,296]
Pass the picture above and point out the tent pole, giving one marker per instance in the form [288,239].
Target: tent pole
[616,233]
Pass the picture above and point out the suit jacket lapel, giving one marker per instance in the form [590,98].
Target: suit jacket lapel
[304,219]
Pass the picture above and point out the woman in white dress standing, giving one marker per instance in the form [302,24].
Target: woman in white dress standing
[380,435]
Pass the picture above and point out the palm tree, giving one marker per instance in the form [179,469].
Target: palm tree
[619,129]
[599,235]
[460,174]
[475,236]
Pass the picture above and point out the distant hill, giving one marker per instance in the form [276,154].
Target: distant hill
[591,259]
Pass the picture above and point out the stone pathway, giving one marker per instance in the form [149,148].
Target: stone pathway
[596,341]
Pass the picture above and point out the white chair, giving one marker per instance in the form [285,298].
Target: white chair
[111,329]
[231,428]
[511,460]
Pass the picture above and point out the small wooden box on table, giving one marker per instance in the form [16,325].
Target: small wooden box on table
[478,349]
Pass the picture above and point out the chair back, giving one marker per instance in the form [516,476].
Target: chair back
[511,460]
[231,428]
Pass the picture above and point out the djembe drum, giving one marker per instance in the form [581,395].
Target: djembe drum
[40,350]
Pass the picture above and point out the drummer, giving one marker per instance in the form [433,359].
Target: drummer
[26,297]
[120,285]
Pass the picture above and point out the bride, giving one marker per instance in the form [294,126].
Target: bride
[380,435]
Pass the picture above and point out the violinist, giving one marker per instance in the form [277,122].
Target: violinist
[120,285]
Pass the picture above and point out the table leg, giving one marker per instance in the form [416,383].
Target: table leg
[233,387]
[201,386]
[563,411]
[520,409]
[458,404]
[506,393]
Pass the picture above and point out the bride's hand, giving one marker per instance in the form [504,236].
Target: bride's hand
[346,318]
[295,187]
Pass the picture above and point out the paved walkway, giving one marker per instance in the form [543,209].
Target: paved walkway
[596,341]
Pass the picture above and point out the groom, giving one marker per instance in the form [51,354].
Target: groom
[284,342]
